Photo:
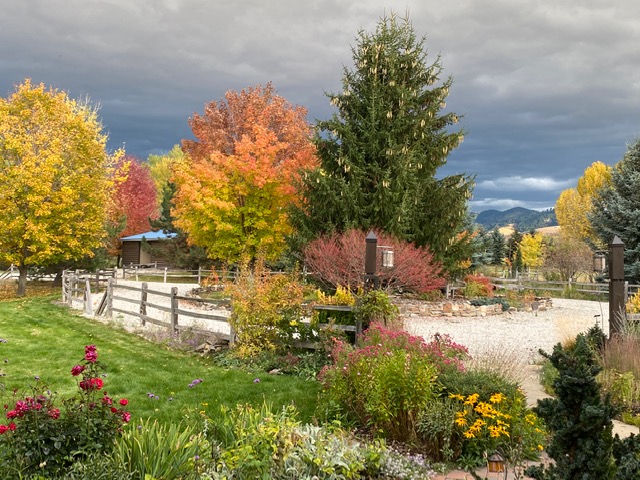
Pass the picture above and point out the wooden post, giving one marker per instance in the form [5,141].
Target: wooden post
[88,301]
[143,303]
[617,308]
[199,273]
[371,250]
[64,280]
[174,309]
[97,280]
[136,273]
[110,298]
[165,275]
[124,272]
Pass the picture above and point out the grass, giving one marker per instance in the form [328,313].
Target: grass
[46,339]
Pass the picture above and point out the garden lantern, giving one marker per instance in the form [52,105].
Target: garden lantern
[599,262]
[387,257]
[496,462]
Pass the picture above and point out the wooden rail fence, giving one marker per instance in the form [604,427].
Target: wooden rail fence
[114,300]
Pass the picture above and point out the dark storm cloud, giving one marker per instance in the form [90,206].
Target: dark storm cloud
[546,87]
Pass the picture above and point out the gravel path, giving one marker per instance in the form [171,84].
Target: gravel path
[519,334]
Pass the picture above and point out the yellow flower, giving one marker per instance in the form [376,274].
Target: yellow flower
[497,398]
[468,434]
[540,447]
[457,396]
[461,421]
[472,399]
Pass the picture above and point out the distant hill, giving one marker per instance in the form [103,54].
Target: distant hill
[521,218]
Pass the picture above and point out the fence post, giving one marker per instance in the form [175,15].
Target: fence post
[110,298]
[617,308]
[199,273]
[136,273]
[165,275]
[88,301]
[64,293]
[174,309]
[97,280]
[124,272]
[143,304]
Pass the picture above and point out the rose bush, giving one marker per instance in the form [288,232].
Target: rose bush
[41,438]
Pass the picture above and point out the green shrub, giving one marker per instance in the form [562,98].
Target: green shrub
[387,380]
[153,450]
[477,302]
[579,418]
[42,438]
[262,304]
[437,434]
[258,443]
[375,306]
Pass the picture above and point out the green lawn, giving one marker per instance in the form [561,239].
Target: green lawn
[45,339]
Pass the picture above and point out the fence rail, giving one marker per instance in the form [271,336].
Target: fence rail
[523,283]
[77,285]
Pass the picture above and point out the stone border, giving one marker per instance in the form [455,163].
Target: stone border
[462,308]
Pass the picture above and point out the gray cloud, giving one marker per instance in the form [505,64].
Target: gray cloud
[546,87]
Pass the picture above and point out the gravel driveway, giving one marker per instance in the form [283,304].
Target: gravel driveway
[522,333]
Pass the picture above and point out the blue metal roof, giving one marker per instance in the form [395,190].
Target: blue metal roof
[148,236]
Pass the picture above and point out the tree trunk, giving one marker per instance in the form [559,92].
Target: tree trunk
[22,281]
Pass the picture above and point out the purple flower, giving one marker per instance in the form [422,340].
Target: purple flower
[195,382]
[256,380]
[36,378]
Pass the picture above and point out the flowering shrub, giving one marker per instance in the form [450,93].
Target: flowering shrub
[498,424]
[40,437]
[388,379]
[477,286]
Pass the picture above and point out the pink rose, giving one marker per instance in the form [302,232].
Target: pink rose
[77,370]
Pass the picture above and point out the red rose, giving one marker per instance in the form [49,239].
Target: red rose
[54,413]
[77,370]
[114,409]
[97,383]
[3,428]
[12,426]
[124,402]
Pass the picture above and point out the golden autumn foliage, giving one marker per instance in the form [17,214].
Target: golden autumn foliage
[55,176]
[532,250]
[574,204]
[238,177]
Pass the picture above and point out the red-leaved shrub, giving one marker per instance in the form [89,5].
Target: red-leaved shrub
[339,260]
[478,286]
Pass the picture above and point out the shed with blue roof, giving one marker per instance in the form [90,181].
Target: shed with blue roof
[133,253]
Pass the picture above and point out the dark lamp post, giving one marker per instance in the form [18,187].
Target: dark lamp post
[370,277]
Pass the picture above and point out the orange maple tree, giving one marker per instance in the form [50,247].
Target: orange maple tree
[239,176]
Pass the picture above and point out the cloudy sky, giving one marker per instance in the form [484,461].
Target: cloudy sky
[546,87]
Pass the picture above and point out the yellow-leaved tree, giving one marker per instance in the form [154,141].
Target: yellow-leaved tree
[574,204]
[238,178]
[532,250]
[55,176]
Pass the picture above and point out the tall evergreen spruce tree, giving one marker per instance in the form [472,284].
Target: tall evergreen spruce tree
[498,247]
[616,210]
[380,152]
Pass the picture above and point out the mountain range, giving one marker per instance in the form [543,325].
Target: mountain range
[521,218]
